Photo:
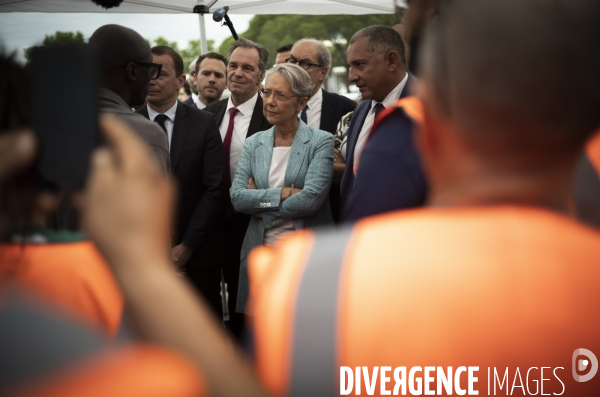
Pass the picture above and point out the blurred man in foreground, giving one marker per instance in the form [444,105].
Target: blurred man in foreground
[123,87]
[495,274]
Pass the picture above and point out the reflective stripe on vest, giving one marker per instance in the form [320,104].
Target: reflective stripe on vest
[314,348]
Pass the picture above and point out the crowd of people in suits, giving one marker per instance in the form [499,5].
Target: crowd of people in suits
[192,211]
[293,174]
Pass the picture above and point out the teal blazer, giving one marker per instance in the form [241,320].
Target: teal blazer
[310,168]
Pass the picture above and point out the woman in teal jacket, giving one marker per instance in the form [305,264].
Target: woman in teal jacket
[284,173]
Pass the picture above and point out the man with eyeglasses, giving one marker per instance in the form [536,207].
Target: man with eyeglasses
[314,57]
[126,68]
[324,109]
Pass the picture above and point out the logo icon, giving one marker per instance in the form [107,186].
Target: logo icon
[581,364]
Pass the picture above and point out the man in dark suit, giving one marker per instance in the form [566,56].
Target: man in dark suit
[197,163]
[239,117]
[324,109]
[378,67]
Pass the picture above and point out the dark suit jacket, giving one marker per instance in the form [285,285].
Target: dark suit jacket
[197,163]
[390,175]
[333,108]
[236,225]
[356,124]
[188,101]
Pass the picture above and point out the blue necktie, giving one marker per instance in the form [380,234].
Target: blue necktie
[303,115]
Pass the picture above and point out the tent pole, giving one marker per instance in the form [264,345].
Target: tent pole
[203,45]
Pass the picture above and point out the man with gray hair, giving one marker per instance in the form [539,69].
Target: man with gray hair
[377,62]
[238,118]
[314,57]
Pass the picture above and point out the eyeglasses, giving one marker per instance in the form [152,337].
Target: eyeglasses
[154,68]
[304,64]
[278,96]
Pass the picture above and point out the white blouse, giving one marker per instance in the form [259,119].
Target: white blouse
[279,162]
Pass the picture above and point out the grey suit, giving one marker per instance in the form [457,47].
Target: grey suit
[109,102]
[310,168]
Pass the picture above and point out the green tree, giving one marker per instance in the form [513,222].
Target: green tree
[273,31]
[57,39]
[189,53]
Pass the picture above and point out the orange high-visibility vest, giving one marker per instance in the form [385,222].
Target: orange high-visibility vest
[74,276]
[502,287]
[137,371]
[585,194]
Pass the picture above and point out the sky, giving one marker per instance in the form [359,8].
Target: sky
[22,30]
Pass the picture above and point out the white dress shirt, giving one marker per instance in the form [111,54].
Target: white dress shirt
[240,129]
[389,100]
[168,123]
[200,105]
[313,110]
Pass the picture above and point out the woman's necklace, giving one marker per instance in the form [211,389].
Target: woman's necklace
[276,144]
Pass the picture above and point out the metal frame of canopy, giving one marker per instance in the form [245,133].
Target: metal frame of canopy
[202,7]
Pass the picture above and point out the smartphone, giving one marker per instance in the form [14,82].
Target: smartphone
[65,113]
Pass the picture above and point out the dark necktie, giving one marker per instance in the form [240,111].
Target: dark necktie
[378,108]
[303,116]
[160,120]
[227,147]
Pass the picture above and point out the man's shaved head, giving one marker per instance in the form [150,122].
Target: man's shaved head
[118,47]
[118,44]
[517,76]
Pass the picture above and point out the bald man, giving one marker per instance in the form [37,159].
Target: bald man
[126,68]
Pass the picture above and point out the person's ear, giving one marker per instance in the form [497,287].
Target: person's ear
[323,73]
[131,71]
[180,81]
[393,60]
[261,77]
[301,104]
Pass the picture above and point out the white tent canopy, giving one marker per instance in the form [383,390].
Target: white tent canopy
[312,7]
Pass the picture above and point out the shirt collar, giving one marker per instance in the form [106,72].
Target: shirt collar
[316,100]
[169,113]
[245,108]
[393,96]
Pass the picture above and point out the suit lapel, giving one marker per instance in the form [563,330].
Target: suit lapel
[262,160]
[298,154]
[257,118]
[361,115]
[326,111]
[180,130]
[221,113]
[144,112]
